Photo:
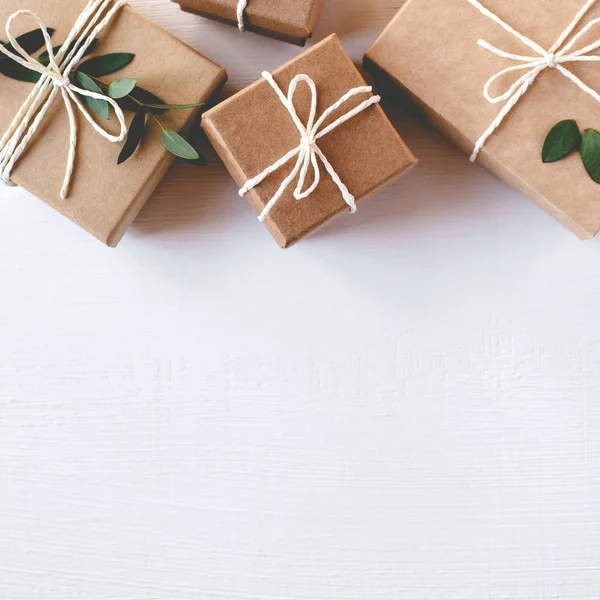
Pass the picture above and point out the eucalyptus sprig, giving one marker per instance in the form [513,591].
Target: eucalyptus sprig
[565,137]
[129,95]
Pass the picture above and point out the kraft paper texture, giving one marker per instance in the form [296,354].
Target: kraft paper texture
[441,66]
[252,130]
[289,20]
[105,198]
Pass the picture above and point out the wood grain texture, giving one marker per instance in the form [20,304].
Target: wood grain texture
[404,407]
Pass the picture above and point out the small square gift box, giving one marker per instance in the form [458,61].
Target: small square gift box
[513,83]
[84,86]
[307,142]
[292,21]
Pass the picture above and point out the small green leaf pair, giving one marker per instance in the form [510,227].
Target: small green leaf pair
[117,89]
[171,140]
[88,72]
[565,137]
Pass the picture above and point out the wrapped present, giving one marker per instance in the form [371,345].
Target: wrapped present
[514,84]
[292,21]
[73,75]
[307,142]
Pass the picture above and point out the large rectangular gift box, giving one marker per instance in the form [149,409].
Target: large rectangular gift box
[292,21]
[254,130]
[432,50]
[104,198]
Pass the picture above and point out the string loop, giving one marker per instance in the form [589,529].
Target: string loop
[308,152]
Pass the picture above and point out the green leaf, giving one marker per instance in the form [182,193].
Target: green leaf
[143,96]
[176,145]
[44,59]
[14,70]
[31,42]
[100,107]
[135,135]
[173,106]
[121,88]
[106,64]
[199,162]
[563,138]
[590,153]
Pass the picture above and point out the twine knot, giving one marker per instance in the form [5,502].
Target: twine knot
[550,57]
[60,81]
[308,151]
[554,58]
[54,79]
[308,142]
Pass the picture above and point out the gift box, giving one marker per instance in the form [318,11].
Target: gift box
[495,77]
[292,21]
[299,169]
[104,197]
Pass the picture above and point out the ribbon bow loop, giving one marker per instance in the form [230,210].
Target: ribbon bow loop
[308,153]
[55,79]
[52,70]
[307,156]
[554,58]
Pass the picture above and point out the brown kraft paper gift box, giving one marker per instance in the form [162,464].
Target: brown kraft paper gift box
[439,63]
[292,21]
[253,129]
[104,197]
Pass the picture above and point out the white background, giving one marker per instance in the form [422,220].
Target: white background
[405,406]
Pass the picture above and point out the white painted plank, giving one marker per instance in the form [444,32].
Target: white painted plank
[404,407]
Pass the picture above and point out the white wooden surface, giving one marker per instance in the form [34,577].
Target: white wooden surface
[404,407]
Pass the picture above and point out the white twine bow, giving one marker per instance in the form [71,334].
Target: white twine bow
[54,78]
[241,7]
[534,65]
[308,151]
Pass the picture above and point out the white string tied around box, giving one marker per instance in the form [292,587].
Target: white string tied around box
[308,151]
[554,58]
[55,79]
[241,8]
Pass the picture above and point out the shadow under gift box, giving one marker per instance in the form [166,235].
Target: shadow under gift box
[292,21]
[104,197]
[439,63]
[253,129]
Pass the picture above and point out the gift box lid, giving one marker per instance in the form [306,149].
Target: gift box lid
[439,62]
[104,197]
[252,130]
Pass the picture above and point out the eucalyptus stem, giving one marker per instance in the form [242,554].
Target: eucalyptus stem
[141,104]
[157,120]
[138,102]
[152,105]
[171,140]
